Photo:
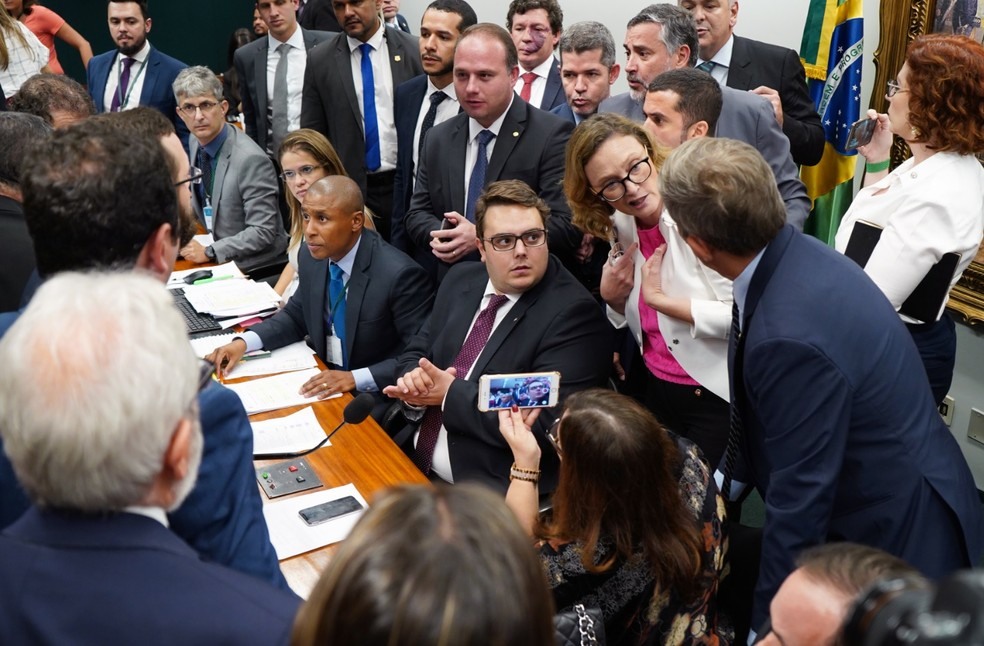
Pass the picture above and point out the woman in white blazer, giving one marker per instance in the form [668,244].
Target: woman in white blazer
[678,310]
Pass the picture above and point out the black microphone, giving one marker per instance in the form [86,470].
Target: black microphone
[356,411]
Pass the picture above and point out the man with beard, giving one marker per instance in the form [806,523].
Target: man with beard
[135,73]
[425,101]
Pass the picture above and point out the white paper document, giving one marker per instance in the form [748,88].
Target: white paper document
[289,533]
[204,239]
[230,269]
[273,393]
[296,356]
[207,344]
[291,434]
[226,298]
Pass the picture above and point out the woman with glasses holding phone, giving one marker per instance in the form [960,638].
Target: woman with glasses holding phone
[305,157]
[636,521]
[933,203]
[678,310]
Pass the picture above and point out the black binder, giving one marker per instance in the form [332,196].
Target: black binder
[927,298]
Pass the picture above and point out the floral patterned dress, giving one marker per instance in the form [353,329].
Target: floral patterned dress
[635,608]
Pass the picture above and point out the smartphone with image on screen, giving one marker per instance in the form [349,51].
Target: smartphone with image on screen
[526,390]
[861,132]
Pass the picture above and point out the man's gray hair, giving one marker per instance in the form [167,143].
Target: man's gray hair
[585,37]
[197,81]
[678,27]
[97,374]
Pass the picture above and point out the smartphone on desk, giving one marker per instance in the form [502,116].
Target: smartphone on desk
[330,510]
[525,390]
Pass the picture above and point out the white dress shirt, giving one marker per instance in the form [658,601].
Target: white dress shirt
[539,86]
[296,63]
[722,61]
[23,63]
[382,75]
[924,211]
[138,74]
[441,462]
[471,153]
[448,108]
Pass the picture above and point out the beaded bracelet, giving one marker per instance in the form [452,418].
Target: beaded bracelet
[878,166]
[524,477]
[534,472]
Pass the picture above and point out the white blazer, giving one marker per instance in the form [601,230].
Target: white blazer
[702,348]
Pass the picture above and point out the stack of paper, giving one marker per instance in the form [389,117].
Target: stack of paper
[272,393]
[226,298]
[291,434]
[229,269]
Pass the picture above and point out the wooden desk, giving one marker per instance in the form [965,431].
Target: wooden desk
[361,454]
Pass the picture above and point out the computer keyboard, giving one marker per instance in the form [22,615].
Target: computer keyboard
[194,321]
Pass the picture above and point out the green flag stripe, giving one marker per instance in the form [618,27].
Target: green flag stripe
[810,46]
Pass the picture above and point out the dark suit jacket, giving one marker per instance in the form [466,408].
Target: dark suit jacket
[564,111]
[389,297]
[402,24]
[553,94]
[319,15]
[754,63]
[530,147]
[159,75]
[842,436]
[330,104]
[556,325]
[222,517]
[17,251]
[126,579]
[251,66]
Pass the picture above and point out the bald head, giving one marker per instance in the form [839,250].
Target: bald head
[344,193]
[333,214]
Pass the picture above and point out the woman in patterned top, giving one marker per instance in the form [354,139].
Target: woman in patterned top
[637,521]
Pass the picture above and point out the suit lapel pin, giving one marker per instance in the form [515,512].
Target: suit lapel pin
[516,133]
[397,58]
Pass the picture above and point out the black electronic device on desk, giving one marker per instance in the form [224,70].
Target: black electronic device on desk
[287,477]
[195,322]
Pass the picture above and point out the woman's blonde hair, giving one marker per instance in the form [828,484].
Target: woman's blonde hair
[9,25]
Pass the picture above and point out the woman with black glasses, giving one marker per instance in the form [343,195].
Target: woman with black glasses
[636,522]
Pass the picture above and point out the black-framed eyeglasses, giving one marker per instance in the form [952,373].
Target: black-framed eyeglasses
[205,371]
[507,241]
[553,434]
[615,189]
[303,171]
[894,88]
[194,177]
[190,109]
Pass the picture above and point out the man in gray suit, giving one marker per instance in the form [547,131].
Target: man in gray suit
[360,124]
[663,37]
[264,79]
[236,198]
[360,332]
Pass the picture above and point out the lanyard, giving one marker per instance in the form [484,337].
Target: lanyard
[333,307]
[133,83]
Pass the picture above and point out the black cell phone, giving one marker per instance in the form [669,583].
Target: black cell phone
[445,225]
[861,133]
[330,510]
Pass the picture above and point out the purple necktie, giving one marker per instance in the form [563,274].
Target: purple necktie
[121,92]
[430,426]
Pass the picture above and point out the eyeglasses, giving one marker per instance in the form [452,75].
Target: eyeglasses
[507,241]
[190,109]
[194,177]
[615,189]
[303,171]
[553,434]
[205,371]
[894,88]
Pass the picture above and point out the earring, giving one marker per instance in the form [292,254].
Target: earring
[914,131]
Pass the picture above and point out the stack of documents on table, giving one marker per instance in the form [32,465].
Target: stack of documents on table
[229,298]
[296,356]
[226,271]
[291,434]
[272,393]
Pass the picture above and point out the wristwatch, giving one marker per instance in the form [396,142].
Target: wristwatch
[210,253]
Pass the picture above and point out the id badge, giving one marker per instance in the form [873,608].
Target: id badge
[208,212]
[334,345]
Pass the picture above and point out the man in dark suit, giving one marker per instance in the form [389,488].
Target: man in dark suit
[535,27]
[520,142]
[121,446]
[236,200]
[317,15]
[385,299]
[392,17]
[587,69]
[361,125]
[257,65]
[773,72]
[20,134]
[832,418]
[133,221]
[530,315]
[424,102]
[134,73]
[663,37]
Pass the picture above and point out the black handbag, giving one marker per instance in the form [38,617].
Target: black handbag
[579,626]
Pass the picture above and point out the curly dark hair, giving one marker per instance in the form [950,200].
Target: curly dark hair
[554,13]
[946,92]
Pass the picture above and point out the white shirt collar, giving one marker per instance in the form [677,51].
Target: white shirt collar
[743,281]
[475,127]
[447,89]
[376,40]
[140,56]
[490,292]
[723,56]
[347,263]
[154,513]
[296,40]
[543,69]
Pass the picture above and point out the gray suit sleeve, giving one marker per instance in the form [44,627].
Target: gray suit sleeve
[256,186]
[774,146]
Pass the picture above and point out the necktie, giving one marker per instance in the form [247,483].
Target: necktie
[205,188]
[435,99]
[477,180]
[528,79]
[369,110]
[430,425]
[707,66]
[119,97]
[336,305]
[279,121]
[735,430]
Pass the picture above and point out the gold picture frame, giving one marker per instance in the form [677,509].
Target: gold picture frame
[900,22]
